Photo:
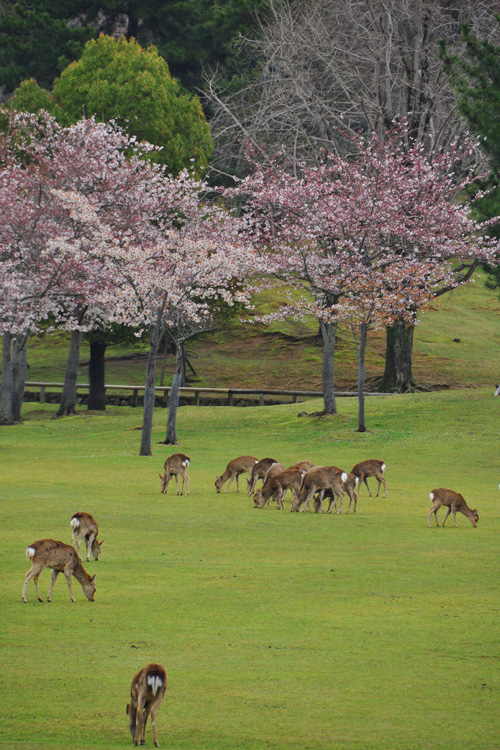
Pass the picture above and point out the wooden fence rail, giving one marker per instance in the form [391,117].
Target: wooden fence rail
[227,393]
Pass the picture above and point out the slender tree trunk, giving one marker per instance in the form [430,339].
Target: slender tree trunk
[149,399]
[398,374]
[19,367]
[68,396]
[328,333]
[175,392]
[97,391]
[6,399]
[361,351]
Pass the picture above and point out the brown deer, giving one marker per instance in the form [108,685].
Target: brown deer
[453,502]
[85,527]
[348,486]
[318,479]
[303,465]
[370,468]
[259,471]
[62,558]
[275,468]
[175,466]
[277,485]
[146,694]
[233,470]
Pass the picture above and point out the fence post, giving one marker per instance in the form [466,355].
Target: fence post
[229,398]
[261,399]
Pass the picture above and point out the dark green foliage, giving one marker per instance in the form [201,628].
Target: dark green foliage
[36,40]
[476,78]
[39,38]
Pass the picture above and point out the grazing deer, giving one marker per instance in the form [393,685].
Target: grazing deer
[275,468]
[303,465]
[62,558]
[233,470]
[277,485]
[453,502]
[259,471]
[176,465]
[348,486]
[146,694]
[370,468]
[85,527]
[318,479]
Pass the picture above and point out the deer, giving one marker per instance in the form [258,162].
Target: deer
[146,695]
[258,472]
[175,466]
[303,465]
[275,468]
[319,479]
[85,527]
[453,501]
[277,485]
[349,486]
[370,468]
[241,465]
[62,558]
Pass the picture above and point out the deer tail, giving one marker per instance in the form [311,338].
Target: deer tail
[30,553]
[155,682]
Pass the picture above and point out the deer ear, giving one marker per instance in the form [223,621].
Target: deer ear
[160,476]
[92,579]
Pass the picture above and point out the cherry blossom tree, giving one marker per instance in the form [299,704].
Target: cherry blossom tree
[167,280]
[329,232]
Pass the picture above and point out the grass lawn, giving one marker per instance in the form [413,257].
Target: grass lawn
[277,630]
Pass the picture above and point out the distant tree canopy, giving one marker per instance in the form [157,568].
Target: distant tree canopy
[119,80]
[39,38]
[475,75]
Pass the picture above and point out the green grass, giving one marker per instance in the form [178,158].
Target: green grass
[277,630]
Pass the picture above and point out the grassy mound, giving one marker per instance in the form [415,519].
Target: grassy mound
[277,630]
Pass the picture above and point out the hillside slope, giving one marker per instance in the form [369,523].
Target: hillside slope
[457,344]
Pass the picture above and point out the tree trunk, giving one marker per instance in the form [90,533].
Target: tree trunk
[19,367]
[398,359]
[328,333]
[175,392]
[361,351]
[6,399]
[97,391]
[149,399]
[68,396]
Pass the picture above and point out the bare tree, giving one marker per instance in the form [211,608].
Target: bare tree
[324,68]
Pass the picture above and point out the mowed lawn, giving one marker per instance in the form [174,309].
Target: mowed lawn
[278,631]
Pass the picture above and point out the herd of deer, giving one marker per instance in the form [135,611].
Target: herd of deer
[305,481]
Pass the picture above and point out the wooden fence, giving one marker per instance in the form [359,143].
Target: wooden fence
[228,395]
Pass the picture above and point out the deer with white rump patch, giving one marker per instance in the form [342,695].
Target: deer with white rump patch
[370,468]
[240,465]
[146,694]
[62,558]
[85,527]
[176,466]
[453,502]
[319,479]
[259,471]
[349,486]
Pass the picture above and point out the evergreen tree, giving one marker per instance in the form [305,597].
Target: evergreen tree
[475,76]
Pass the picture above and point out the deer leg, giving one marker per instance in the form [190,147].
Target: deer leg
[365,480]
[132,714]
[154,711]
[78,545]
[53,579]
[187,484]
[67,575]
[341,498]
[448,511]
[231,480]
[140,727]
[454,511]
